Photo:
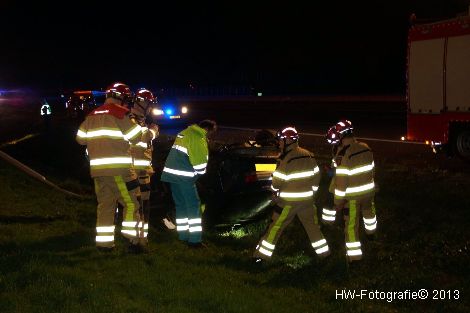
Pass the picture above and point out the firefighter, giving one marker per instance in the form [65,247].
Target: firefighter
[142,152]
[185,163]
[333,138]
[353,186]
[106,132]
[295,182]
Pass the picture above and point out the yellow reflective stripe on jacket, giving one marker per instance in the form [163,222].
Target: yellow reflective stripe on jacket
[108,161]
[343,171]
[178,172]
[142,144]
[296,175]
[180,148]
[101,133]
[200,168]
[296,195]
[141,162]
[133,132]
[354,191]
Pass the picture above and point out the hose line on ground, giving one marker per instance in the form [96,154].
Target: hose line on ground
[36,175]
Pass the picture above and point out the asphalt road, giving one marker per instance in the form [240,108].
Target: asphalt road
[379,121]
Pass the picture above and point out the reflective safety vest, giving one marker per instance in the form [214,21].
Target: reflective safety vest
[354,177]
[142,151]
[107,132]
[297,176]
[188,156]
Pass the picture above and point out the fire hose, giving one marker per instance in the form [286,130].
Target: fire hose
[36,175]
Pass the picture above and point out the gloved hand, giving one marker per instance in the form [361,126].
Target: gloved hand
[154,129]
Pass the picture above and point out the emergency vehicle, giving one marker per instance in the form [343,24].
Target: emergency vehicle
[438,85]
[81,102]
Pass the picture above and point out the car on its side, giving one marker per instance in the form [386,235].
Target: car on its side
[237,186]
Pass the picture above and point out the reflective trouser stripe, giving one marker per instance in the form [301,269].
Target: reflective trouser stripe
[126,198]
[105,233]
[352,221]
[353,248]
[195,225]
[353,245]
[370,223]
[266,248]
[275,229]
[328,215]
[132,229]
[320,246]
[182,224]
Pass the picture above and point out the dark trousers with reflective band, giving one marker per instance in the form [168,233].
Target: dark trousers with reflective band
[352,220]
[306,211]
[144,183]
[109,190]
[188,212]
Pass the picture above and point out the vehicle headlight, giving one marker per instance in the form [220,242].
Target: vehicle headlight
[157,112]
[184,110]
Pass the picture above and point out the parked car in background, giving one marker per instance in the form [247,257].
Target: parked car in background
[170,112]
[81,102]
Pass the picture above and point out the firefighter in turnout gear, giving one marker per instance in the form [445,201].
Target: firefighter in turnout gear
[187,161]
[295,182]
[142,152]
[107,132]
[353,186]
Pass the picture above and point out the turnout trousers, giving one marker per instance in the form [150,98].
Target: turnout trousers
[145,188]
[306,212]
[109,190]
[188,212]
[357,208]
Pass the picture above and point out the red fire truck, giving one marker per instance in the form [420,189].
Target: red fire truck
[438,85]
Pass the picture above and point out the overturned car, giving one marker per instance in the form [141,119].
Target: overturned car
[236,188]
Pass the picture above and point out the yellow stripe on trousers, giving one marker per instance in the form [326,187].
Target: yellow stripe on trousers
[277,226]
[126,197]
[352,220]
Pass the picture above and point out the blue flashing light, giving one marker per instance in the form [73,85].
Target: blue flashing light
[169,111]
[98,93]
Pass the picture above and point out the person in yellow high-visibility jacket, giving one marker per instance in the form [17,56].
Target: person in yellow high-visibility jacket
[295,182]
[142,152]
[107,133]
[353,186]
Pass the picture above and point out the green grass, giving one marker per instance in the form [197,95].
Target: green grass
[48,262]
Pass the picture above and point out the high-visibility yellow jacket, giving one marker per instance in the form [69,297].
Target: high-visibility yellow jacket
[354,177]
[297,176]
[142,151]
[188,156]
[107,132]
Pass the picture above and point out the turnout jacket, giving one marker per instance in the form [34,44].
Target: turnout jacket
[107,132]
[354,177]
[188,156]
[297,176]
[142,151]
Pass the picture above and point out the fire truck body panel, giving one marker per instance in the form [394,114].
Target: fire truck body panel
[438,90]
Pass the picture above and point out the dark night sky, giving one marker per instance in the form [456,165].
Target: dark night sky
[331,47]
